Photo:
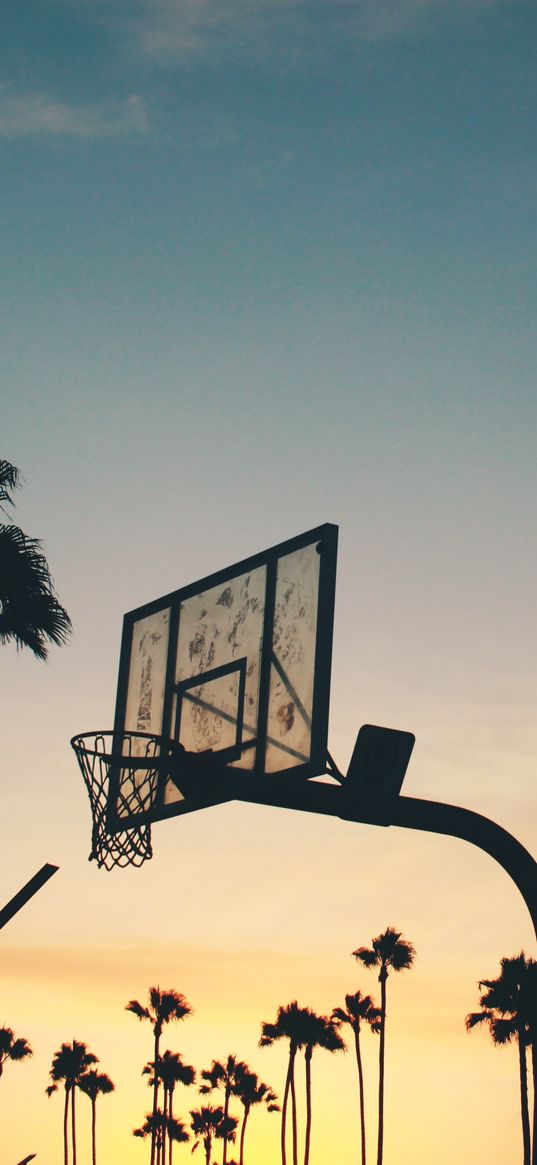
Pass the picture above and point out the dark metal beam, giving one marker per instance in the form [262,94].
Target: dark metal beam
[23,896]
[410,813]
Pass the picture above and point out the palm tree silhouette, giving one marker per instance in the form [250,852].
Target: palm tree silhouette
[250,1090]
[509,1008]
[176,1132]
[388,950]
[208,1123]
[161,1126]
[95,1084]
[152,1127]
[226,1076]
[287,1026]
[318,1032]
[164,1007]
[172,1070]
[30,612]
[359,1009]
[69,1064]
[11,1048]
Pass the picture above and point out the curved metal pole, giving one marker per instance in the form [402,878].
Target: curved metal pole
[437,817]
[352,804]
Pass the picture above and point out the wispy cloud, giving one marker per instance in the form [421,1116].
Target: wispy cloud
[37,114]
[280,30]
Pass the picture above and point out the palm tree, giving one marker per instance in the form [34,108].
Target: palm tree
[176,1132]
[69,1064]
[318,1032]
[250,1090]
[209,1123]
[226,1076]
[95,1084]
[388,950]
[152,1127]
[172,1070]
[11,1048]
[359,1008]
[164,1007]
[509,1008]
[288,1026]
[160,1125]
[30,612]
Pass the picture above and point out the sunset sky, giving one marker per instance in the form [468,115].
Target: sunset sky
[266,265]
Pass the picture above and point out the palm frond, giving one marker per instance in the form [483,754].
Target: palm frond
[476,1017]
[366,956]
[10,479]
[137,1009]
[30,612]
[502,1031]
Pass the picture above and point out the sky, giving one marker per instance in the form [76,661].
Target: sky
[269,265]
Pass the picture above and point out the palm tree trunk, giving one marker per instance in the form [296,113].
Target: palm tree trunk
[164,1128]
[65,1127]
[73,1122]
[361,1089]
[307,1136]
[534,1071]
[293,1111]
[155,1094]
[380,1143]
[226,1112]
[208,1146]
[524,1109]
[243,1134]
[170,1113]
[93,1129]
[284,1110]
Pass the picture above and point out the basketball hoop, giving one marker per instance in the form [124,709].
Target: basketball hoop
[133,761]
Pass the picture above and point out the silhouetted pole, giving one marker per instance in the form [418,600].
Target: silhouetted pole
[23,896]
[453,821]
[353,804]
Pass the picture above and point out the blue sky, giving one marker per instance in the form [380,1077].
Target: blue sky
[267,265]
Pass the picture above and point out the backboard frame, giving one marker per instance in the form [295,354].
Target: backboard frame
[325,537]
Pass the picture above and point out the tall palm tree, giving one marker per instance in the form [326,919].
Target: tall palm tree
[164,1007]
[509,1008]
[318,1032]
[172,1070]
[288,1025]
[208,1123]
[223,1076]
[250,1090]
[359,1009]
[30,612]
[388,951]
[95,1084]
[12,1048]
[69,1064]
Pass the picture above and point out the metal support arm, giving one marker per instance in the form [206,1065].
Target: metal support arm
[411,813]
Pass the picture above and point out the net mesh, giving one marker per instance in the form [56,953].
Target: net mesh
[134,760]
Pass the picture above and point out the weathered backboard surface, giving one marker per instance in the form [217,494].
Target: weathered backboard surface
[238,664]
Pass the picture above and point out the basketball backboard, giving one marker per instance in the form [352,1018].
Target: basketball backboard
[233,669]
